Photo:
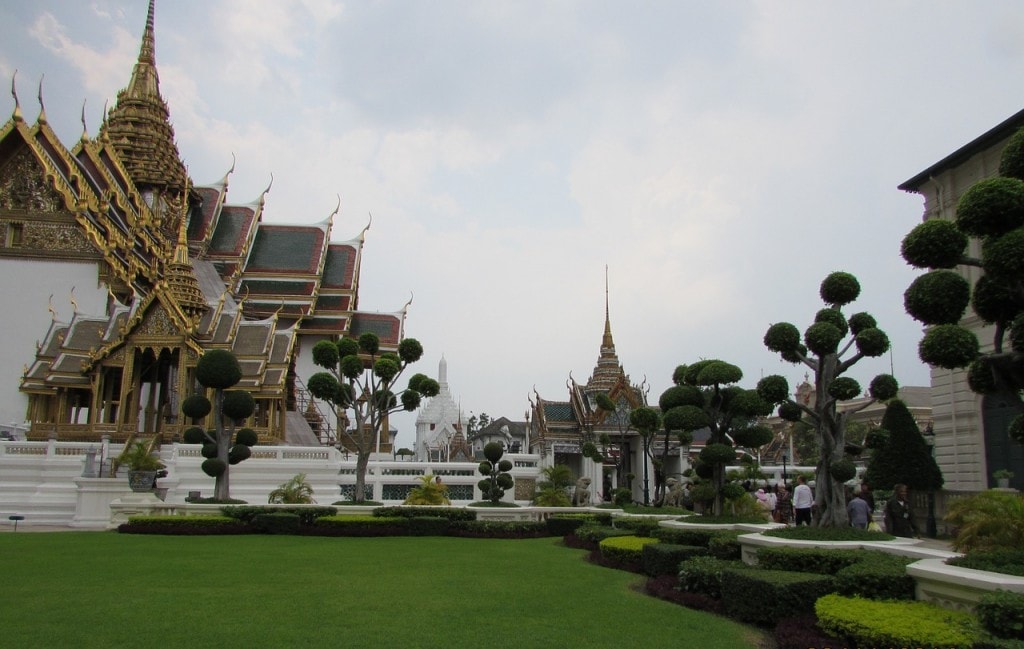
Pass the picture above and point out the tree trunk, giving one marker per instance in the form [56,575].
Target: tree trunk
[221,487]
[362,461]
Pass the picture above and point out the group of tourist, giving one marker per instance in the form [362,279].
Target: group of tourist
[796,508]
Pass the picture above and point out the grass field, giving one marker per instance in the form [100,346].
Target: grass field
[102,589]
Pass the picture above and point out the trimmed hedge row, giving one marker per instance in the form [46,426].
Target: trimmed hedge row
[873,623]
[664,558]
[183,525]
[759,596]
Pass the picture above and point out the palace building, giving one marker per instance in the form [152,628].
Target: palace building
[118,273]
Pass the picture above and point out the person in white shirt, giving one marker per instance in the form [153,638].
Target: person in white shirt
[803,499]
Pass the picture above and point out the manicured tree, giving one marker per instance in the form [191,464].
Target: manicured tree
[496,470]
[218,370]
[991,211]
[704,396]
[822,350]
[646,421]
[617,413]
[900,454]
[360,380]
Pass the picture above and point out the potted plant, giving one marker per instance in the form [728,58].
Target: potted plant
[1002,478]
[142,465]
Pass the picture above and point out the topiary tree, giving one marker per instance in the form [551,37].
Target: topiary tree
[992,212]
[646,421]
[704,396]
[497,471]
[218,370]
[824,343]
[900,454]
[360,380]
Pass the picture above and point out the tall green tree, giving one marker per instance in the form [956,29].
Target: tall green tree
[705,396]
[990,212]
[361,381]
[646,421]
[902,457]
[218,370]
[822,349]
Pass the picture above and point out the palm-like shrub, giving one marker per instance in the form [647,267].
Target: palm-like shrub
[990,520]
[428,492]
[553,491]
[294,492]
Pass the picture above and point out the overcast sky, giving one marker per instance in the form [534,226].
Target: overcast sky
[720,158]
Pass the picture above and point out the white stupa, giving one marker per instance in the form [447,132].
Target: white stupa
[440,422]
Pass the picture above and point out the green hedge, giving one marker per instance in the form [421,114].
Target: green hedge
[276,523]
[819,560]
[1007,562]
[703,575]
[562,524]
[360,526]
[1001,613]
[447,513]
[877,576]
[625,549]
[183,525]
[725,545]
[664,558]
[762,597]
[499,529]
[594,534]
[872,623]
[684,536]
[808,533]
[307,515]
[638,526]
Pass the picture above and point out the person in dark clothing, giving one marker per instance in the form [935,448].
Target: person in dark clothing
[899,520]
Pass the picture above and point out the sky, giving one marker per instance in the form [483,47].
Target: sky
[719,159]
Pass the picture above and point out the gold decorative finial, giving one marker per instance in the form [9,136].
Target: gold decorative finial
[85,129]
[14,93]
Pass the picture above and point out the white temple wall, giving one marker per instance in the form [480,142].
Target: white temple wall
[27,286]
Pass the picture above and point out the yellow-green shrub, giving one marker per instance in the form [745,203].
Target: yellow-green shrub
[874,623]
[628,549]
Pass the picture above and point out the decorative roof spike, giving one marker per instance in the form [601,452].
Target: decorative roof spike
[49,307]
[263,195]
[147,53]
[224,180]
[405,308]
[74,302]
[362,233]
[42,109]
[85,129]
[16,115]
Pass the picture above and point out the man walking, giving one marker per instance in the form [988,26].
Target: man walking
[899,520]
[803,499]
[860,513]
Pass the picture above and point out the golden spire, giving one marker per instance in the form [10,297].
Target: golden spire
[139,125]
[181,279]
[608,371]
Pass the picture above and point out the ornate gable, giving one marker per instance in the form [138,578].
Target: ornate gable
[23,185]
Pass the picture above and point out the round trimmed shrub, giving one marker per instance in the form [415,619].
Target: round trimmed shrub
[843,470]
[238,404]
[369,343]
[352,367]
[948,346]
[1011,164]
[1003,257]
[347,347]
[860,321]
[719,373]
[247,436]
[839,288]
[753,436]
[833,317]
[410,350]
[238,453]
[485,468]
[980,377]
[844,388]
[685,418]
[484,486]
[872,342]
[782,337]
[823,338]
[218,369]
[704,471]
[790,411]
[994,301]
[325,354]
[209,450]
[196,406]
[386,369]
[937,297]
[504,465]
[214,467]
[936,243]
[680,395]
[990,207]
[773,388]
[884,387]
[733,490]
[493,451]
[504,480]
[194,435]
[717,454]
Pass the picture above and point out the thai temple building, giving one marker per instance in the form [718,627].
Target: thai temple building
[118,272]
[558,429]
[441,426]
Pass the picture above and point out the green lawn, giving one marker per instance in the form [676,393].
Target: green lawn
[96,589]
